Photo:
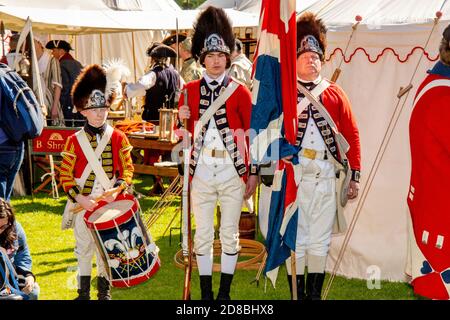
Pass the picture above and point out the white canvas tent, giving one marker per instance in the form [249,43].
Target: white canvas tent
[104,29]
[381,58]
[251,6]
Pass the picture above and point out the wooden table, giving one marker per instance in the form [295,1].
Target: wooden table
[152,143]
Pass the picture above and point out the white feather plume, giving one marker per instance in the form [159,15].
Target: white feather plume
[116,71]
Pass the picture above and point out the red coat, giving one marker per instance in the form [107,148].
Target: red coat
[339,108]
[238,113]
[74,160]
[429,191]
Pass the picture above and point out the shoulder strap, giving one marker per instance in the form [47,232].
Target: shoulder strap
[92,157]
[316,92]
[221,99]
[343,145]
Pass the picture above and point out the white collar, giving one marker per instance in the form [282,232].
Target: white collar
[317,81]
[209,79]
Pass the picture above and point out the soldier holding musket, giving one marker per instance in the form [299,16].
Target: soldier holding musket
[218,110]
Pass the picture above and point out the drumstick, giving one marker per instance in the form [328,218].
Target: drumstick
[79,208]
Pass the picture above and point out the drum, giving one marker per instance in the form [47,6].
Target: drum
[129,254]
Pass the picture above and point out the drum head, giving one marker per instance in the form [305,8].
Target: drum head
[110,211]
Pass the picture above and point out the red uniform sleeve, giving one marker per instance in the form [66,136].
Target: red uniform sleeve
[350,131]
[125,162]
[69,159]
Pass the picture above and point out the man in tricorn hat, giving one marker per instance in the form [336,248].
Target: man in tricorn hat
[159,86]
[429,263]
[70,69]
[219,169]
[319,154]
[190,70]
[83,180]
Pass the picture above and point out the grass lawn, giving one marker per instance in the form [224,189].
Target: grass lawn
[54,262]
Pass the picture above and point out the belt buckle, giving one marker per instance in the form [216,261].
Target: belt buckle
[309,153]
[213,153]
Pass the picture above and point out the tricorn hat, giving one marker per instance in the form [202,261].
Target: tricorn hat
[161,51]
[444,48]
[311,35]
[212,33]
[172,39]
[152,46]
[58,44]
[88,91]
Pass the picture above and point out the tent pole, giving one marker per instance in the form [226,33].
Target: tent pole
[101,48]
[178,49]
[134,55]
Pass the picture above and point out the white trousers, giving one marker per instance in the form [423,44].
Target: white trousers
[85,249]
[204,198]
[316,197]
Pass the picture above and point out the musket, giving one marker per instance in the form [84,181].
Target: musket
[186,209]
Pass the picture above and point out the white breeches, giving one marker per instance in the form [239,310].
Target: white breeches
[85,249]
[316,198]
[204,198]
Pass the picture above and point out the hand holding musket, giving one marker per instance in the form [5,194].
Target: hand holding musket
[187,230]
[78,208]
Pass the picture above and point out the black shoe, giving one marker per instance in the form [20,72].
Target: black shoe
[85,288]
[206,287]
[300,286]
[103,287]
[225,285]
[314,283]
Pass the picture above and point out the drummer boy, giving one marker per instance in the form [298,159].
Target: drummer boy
[95,160]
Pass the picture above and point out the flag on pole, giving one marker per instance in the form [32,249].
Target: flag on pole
[275,124]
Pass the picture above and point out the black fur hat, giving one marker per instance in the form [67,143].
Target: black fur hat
[311,35]
[88,91]
[444,48]
[212,33]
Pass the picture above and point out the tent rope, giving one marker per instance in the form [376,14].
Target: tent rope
[374,169]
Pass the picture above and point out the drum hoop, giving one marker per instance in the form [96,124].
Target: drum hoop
[110,224]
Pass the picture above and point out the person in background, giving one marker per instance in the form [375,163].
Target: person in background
[160,87]
[70,69]
[14,241]
[241,66]
[190,70]
[13,52]
[50,72]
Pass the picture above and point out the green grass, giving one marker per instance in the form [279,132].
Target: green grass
[54,262]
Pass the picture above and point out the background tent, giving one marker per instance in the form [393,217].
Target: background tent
[381,58]
[250,6]
[105,29]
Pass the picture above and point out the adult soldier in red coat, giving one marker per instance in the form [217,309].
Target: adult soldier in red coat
[319,158]
[82,182]
[430,181]
[219,163]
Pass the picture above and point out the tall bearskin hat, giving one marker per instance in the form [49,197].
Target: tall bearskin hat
[212,33]
[444,49]
[311,35]
[97,87]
